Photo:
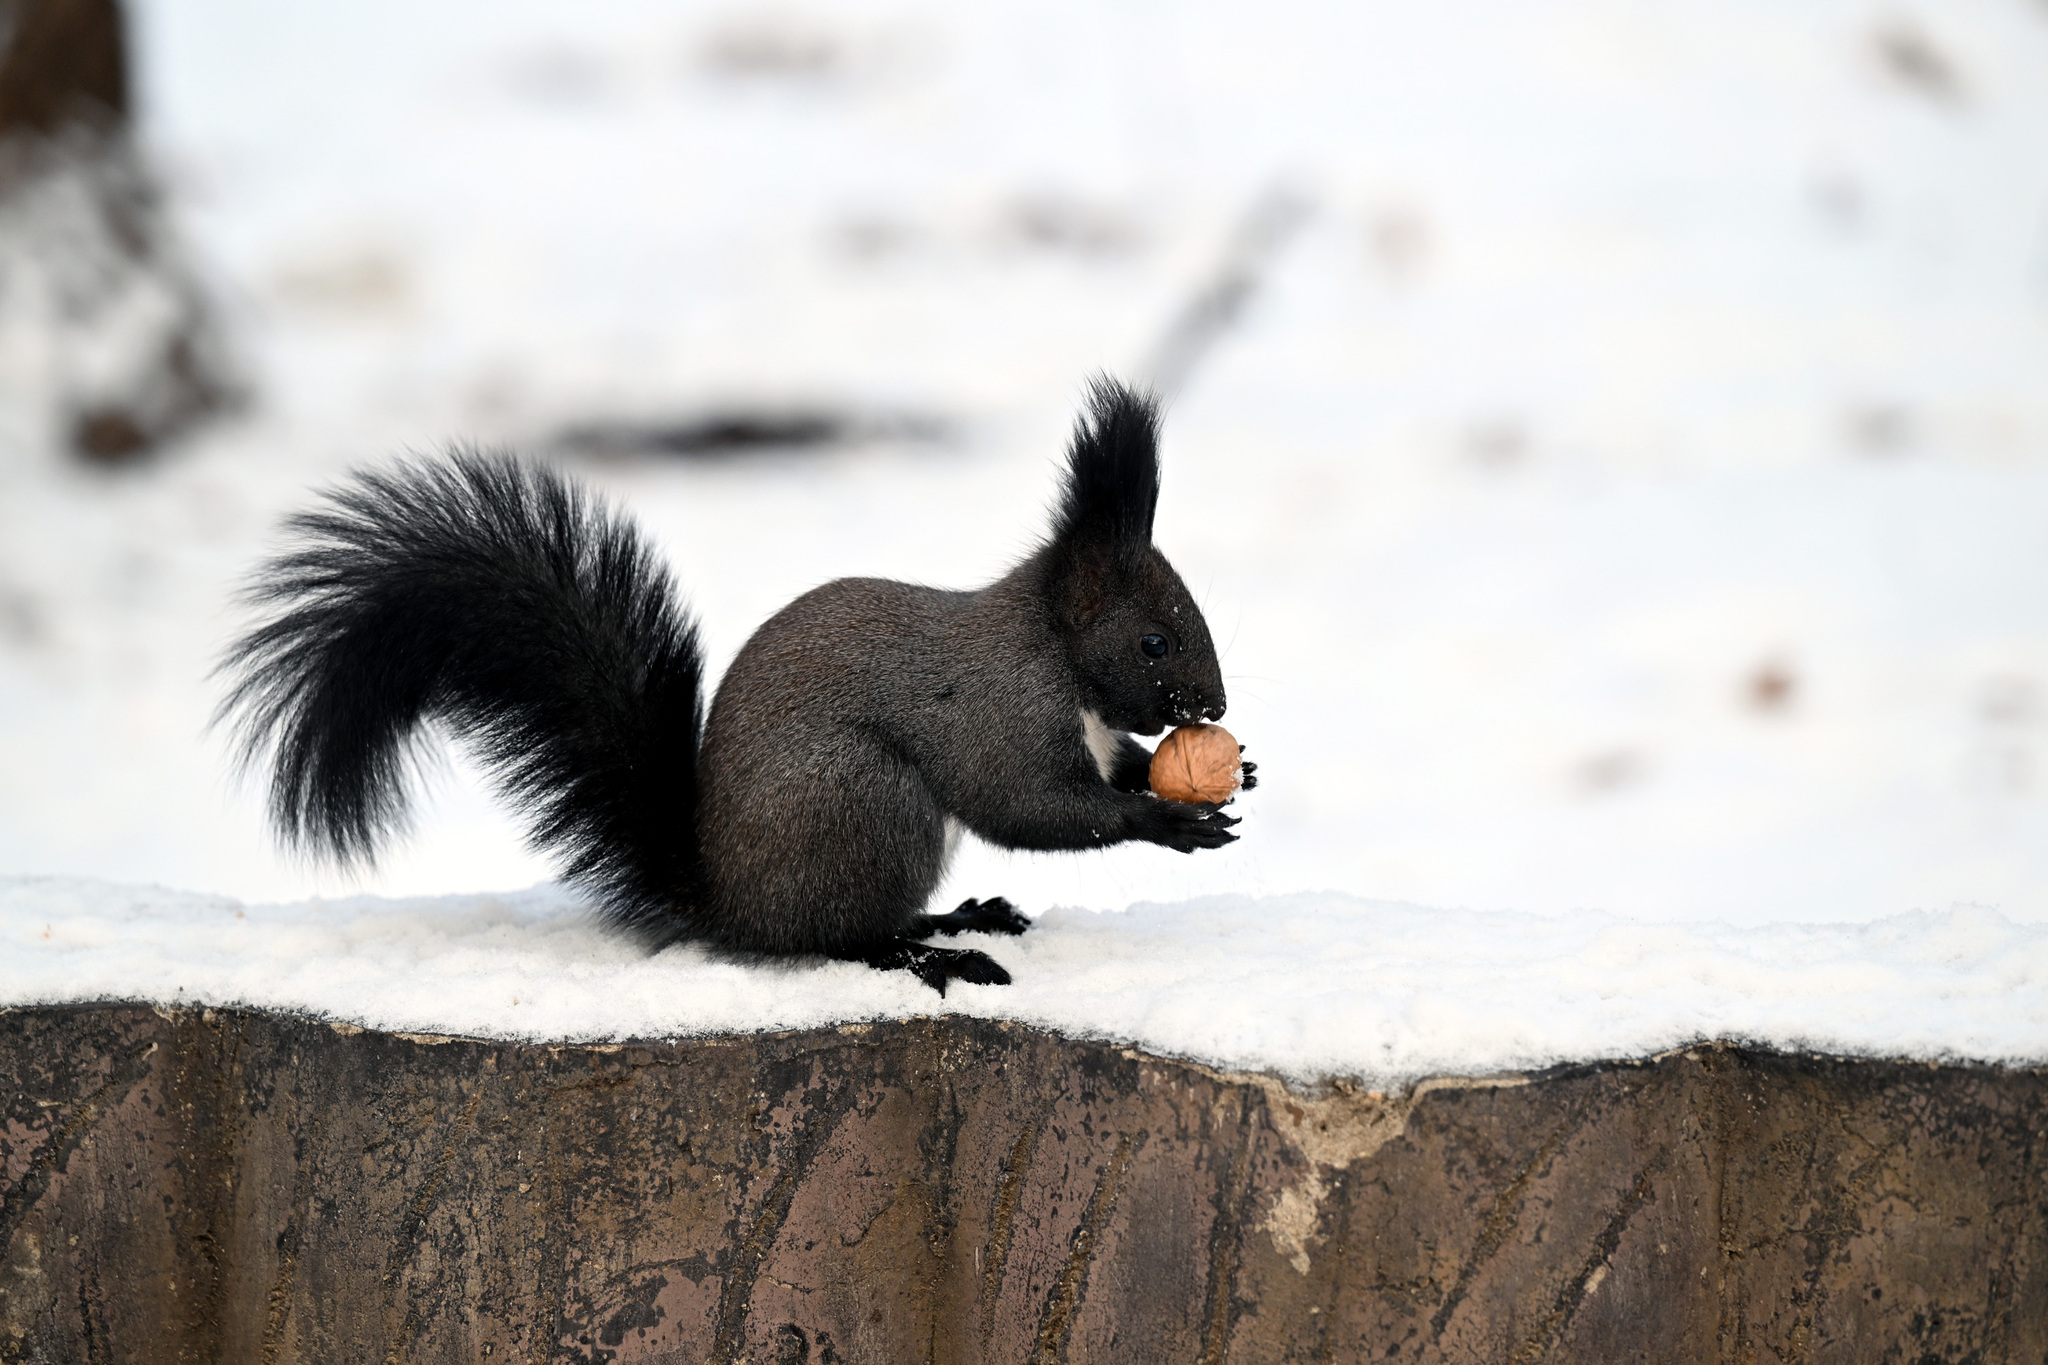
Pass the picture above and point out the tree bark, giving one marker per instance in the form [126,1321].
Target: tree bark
[108,347]
[218,1185]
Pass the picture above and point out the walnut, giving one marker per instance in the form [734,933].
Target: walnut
[1196,763]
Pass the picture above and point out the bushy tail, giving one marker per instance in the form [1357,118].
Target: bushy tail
[503,602]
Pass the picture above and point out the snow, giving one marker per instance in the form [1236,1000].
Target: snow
[1308,986]
[1626,492]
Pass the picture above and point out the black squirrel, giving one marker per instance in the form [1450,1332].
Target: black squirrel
[857,732]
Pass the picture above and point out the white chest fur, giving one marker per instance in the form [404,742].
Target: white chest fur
[1102,743]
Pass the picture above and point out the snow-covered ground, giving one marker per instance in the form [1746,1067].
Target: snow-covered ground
[1307,985]
[1627,491]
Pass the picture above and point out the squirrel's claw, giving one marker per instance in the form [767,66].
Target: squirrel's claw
[992,916]
[960,964]
[935,966]
[1187,826]
[998,916]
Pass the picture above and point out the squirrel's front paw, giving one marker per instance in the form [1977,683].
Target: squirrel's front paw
[1245,769]
[1185,827]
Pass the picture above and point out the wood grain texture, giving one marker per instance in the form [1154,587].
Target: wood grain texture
[217,1185]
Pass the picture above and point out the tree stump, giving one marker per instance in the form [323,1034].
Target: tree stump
[217,1185]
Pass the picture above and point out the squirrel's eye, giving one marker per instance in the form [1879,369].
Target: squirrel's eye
[1154,646]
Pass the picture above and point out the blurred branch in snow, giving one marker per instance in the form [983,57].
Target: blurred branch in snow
[739,431]
[61,62]
[1261,234]
[1909,56]
[107,346]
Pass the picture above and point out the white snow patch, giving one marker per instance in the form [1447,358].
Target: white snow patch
[1309,985]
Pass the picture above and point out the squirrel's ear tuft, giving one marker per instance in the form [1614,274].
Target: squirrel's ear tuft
[1112,485]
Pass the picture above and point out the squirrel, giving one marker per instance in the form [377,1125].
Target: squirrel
[857,733]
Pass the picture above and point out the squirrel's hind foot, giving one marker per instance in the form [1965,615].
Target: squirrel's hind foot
[992,916]
[935,966]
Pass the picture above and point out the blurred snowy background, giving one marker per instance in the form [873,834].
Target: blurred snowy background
[1623,482]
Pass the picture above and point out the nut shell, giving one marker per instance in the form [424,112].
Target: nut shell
[1196,763]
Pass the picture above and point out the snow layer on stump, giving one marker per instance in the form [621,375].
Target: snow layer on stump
[1305,986]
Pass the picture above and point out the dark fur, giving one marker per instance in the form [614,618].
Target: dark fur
[499,601]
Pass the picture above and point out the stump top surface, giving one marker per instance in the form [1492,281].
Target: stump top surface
[1302,986]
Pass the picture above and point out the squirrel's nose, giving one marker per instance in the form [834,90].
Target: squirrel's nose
[1214,712]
